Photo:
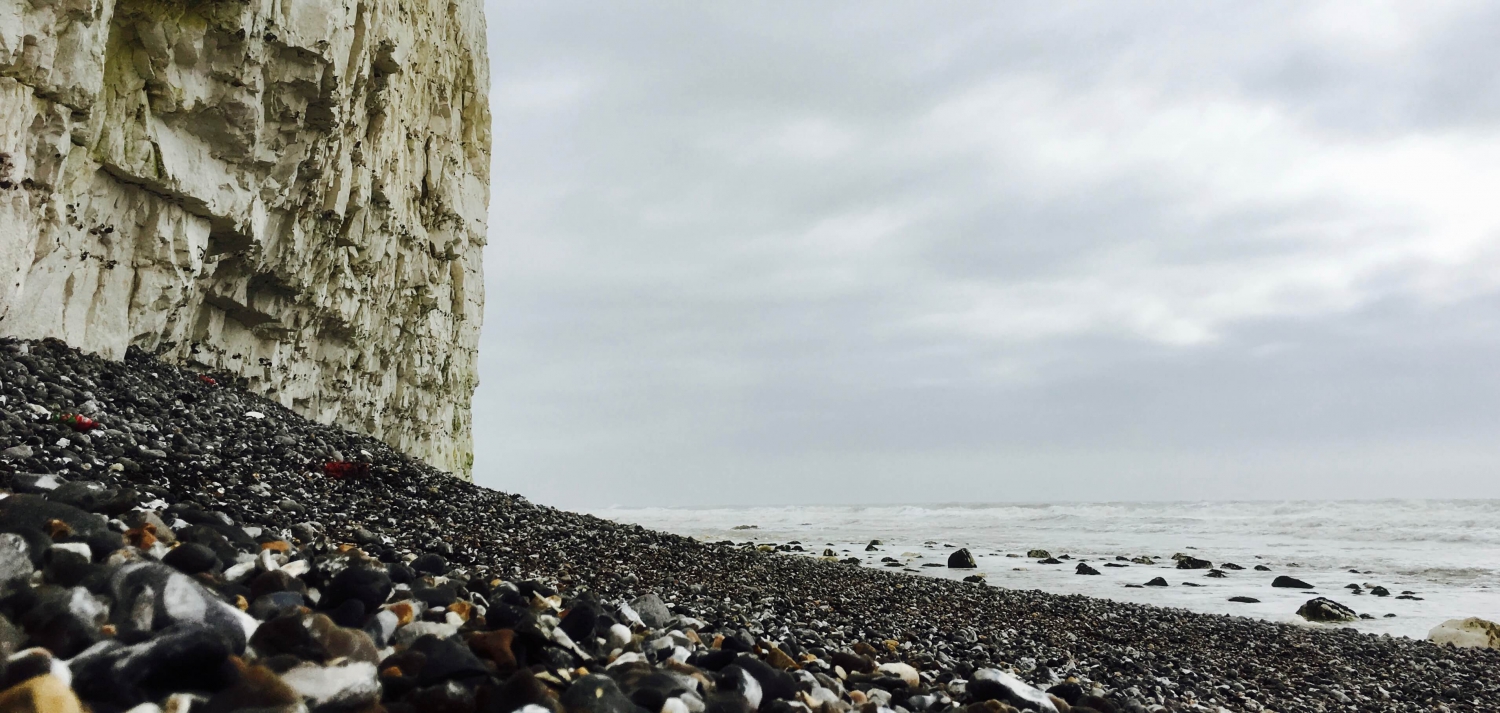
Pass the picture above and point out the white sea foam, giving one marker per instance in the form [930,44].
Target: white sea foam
[1448,552]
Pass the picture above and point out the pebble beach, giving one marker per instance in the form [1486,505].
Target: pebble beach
[174,543]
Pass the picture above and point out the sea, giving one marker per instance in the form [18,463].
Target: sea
[1445,554]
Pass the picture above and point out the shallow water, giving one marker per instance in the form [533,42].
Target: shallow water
[1447,552]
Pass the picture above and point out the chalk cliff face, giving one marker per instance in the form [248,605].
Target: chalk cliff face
[290,190]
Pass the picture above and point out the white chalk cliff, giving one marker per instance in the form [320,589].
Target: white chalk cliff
[293,191]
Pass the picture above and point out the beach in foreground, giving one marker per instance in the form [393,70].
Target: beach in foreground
[320,569]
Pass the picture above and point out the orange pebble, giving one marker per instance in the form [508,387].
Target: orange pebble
[57,529]
[403,611]
[143,537]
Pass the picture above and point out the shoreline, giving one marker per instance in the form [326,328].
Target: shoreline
[209,451]
[1444,577]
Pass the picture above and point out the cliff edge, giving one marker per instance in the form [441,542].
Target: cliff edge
[292,192]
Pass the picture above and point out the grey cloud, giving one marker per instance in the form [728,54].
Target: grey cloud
[787,252]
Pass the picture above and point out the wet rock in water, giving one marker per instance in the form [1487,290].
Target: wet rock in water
[1244,600]
[1216,574]
[1262,568]
[1230,566]
[1157,582]
[1038,554]
[961,559]
[1187,562]
[974,579]
[1049,560]
[1191,584]
[1472,632]
[1380,591]
[1084,568]
[1286,582]
[1322,609]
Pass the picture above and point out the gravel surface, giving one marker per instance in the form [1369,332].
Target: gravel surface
[175,541]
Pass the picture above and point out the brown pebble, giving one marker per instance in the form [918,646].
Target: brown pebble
[780,660]
[57,529]
[281,546]
[403,611]
[494,646]
[143,537]
[258,688]
[40,694]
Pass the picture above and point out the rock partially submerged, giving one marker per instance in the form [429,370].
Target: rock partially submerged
[1286,582]
[1326,610]
[1186,562]
[961,559]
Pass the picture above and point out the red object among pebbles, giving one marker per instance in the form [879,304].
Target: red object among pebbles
[77,422]
[208,380]
[341,469]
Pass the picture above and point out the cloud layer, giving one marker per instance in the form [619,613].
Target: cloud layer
[892,252]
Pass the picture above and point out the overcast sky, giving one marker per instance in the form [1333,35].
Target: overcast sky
[866,252]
